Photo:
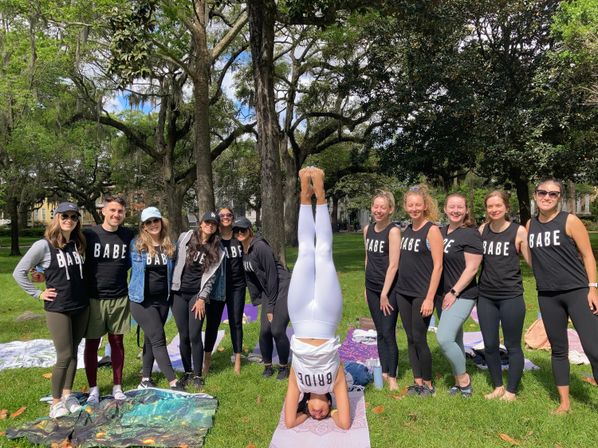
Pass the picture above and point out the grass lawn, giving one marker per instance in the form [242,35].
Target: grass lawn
[250,406]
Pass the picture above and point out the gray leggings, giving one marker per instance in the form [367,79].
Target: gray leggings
[66,330]
[450,333]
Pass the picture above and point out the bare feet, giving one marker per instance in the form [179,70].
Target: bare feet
[508,396]
[207,360]
[237,363]
[317,179]
[392,383]
[307,190]
[561,410]
[499,392]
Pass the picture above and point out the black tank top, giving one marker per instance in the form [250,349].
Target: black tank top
[455,244]
[501,271]
[235,273]
[65,274]
[416,264]
[376,246]
[556,262]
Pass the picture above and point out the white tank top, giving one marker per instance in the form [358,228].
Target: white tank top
[315,366]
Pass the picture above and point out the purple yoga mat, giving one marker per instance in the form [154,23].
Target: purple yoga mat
[249,310]
[355,351]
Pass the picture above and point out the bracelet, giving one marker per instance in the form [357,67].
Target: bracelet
[593,285]
[334,411]
[455,293]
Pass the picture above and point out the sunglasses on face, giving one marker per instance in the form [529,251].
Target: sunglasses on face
[210,223]
[151,221]
[242,231]
[66,216]
[551,194]
[225,215]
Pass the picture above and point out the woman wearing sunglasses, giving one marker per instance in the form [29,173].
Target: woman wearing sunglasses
[65,298]
[152,259]
[268,284]
[195,280]
[565,271]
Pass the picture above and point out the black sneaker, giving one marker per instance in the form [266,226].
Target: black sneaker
[283,373]
[185,379]
[464,391]
[426,391]
[105,361]
[146,384]
[198,382]
[177,387]
[268,371]
[414,389]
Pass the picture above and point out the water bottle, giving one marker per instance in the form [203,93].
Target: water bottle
[378,382]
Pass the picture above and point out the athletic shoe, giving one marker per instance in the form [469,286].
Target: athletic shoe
[426,391]
[185,379]
[72,404]
[105,361]
[268,371]
[177,387]
[118,393]
[464,391]
[198,382]
[414,389]
[93,399]
[283,373]
[146,384]
[58,410]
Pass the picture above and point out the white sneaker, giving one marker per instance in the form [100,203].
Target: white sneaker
[72,404]
[118,393]
[58,410]
[93,399]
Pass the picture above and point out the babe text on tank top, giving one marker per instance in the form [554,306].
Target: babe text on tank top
[65,274]
[377,250]
[416,265]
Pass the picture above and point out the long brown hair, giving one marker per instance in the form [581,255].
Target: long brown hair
[211,247]
[421,190]
[504,197]
[54,235]
[146,243]
[468,220]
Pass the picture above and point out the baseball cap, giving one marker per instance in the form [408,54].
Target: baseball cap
[64,207]
[150,212]
[210,216]
[242,223]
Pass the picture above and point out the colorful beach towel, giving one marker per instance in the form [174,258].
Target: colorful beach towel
[175,354]
[149,417]
[355,351]
[324,433]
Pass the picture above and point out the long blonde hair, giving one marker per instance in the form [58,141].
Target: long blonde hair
[421,190]
[386,195]
[54,235]
[146,243]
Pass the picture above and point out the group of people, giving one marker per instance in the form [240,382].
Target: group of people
[429,268]
[88,293]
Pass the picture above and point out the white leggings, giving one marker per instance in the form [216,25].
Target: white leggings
[315,299]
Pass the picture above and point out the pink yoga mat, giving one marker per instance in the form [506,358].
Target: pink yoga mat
[324,433]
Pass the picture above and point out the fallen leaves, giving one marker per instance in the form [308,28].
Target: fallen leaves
[64,444]
[509,439]
[85,389]
[251,445]
[378,410]
[220,349]
[149,442]
[402,394]
[3,414]
[47,375]
[18,412]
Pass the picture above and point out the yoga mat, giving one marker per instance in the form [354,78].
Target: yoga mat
[175,354]
[355,351]
[249,313]
[256,355]
[34,353]
[324,433]
[474,339]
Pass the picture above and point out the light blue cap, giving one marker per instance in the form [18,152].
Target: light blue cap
[150,212]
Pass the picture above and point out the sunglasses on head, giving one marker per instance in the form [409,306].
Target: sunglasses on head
[72,217]
[225,215]
[551,194]
[151,221]
[239,230]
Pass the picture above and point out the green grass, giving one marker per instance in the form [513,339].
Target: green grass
[250,406]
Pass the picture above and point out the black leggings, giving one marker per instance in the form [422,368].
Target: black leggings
[386,331]
[213,317]
[416,328]
[235,304]
[556,308]
[190,343]
[276,329]
[510,313]
[151,317]
[66,330]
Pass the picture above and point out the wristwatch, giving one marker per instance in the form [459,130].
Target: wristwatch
[593,285]
[453,292]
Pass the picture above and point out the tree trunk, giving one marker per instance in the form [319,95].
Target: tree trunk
[523,198]
[201,125]
[291,199]
[262,15]
[571,199]
[334,216]
[174,209]
[13,210]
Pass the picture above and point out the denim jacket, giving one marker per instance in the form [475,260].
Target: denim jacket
[213,282]
[137,281]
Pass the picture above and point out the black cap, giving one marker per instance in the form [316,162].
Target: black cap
[64,207]
[242,223]
[210,216]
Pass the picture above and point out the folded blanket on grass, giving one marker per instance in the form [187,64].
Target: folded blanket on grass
[34,353]
[249,313]
[473,343]
[175,354]
[324,433]
[351,350]
[149,417]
